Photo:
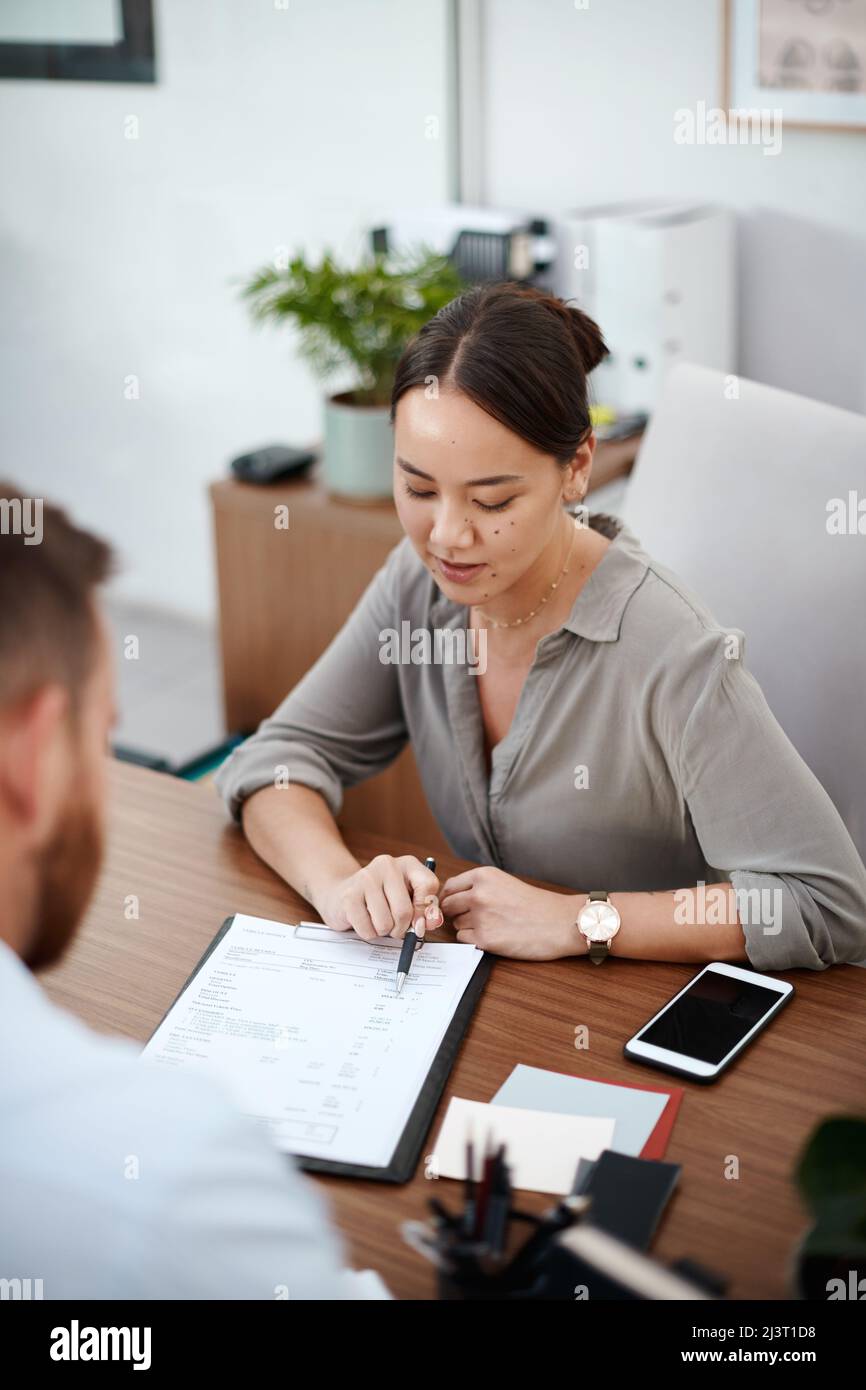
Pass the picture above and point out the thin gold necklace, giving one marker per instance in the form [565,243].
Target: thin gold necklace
[516,622]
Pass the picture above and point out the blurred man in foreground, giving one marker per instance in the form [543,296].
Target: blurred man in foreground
[116,1180]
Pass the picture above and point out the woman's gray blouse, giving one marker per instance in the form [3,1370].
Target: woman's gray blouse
[642,754]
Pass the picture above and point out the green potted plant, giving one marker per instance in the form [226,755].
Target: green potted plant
[357,318]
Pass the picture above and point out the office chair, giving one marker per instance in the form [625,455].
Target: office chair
[730,490]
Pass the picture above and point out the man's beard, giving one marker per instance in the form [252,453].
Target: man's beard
[66,873]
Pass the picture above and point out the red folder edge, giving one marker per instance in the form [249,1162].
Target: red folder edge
[656,1145]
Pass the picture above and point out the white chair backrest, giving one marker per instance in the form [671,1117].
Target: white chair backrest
[734,491]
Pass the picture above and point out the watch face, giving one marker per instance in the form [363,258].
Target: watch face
[599,921]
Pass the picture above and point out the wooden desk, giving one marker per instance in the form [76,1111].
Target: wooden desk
[171,846]
[284,593]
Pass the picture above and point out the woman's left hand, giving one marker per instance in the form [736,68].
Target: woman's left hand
[491,909]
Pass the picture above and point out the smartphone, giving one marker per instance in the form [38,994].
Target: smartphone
[705,1027]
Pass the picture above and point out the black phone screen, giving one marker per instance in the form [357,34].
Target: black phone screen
[711,1016]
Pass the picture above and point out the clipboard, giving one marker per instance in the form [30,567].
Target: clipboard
[404,1159]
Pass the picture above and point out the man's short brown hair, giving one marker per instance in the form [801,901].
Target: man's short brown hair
[48,574]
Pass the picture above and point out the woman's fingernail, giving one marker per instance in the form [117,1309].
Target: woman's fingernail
[420,928]
[418,925]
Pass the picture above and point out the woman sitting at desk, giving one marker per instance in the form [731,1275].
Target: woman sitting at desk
[575,713]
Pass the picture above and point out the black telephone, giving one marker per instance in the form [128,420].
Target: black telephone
[276,461]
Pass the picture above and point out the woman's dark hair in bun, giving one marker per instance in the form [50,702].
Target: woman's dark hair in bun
[518,353]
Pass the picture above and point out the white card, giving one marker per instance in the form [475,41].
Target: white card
[542,1150]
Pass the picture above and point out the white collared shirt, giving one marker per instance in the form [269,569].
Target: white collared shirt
[118,1180]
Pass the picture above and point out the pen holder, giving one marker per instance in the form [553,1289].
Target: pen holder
[469,1280]
[467,1270]
[544,1267]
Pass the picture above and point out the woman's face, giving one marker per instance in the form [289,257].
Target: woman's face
[481,497]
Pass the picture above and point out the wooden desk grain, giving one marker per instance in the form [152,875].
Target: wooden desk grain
[171,847]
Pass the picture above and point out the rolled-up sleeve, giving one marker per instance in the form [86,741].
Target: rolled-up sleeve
[763,819]
[342,722]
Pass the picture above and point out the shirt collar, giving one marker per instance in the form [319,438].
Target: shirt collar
[599,607]
[598,610]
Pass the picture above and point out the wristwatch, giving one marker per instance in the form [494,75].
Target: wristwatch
[599,921]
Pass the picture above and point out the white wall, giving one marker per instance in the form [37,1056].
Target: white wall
[295,126]
[579,108]
[268,126]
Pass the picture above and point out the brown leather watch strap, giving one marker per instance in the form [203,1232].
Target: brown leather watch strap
[598,950]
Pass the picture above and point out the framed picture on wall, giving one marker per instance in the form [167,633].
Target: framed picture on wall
[806,58]
[78,40]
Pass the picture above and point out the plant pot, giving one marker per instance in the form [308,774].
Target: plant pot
[826,1274]
[358,461]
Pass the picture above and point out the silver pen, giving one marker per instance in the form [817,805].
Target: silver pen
[411,940]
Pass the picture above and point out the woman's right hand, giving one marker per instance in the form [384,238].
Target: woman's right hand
[384,898]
